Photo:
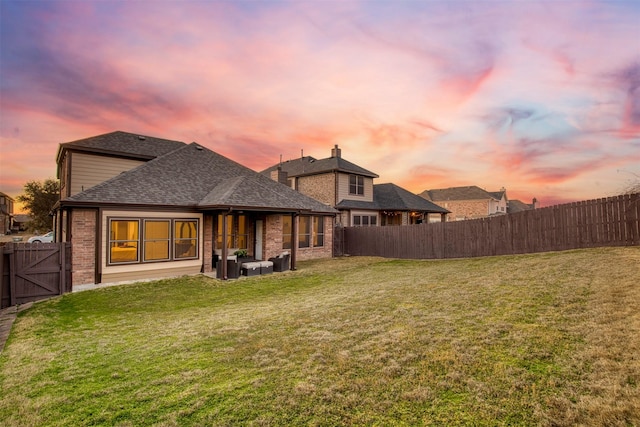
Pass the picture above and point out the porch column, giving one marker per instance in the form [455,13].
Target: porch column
[225,250]
[294,240]
[443,217]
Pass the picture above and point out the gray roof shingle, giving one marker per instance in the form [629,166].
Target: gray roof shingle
[123,144]
[310,166]
[393,198]
[457,193]
[195,177]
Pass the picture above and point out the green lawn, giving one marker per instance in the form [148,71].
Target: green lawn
[542,339]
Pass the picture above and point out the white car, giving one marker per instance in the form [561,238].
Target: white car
[45,238]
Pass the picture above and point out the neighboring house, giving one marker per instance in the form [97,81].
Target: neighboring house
[21,221]
[349,188]
[6,213]
[137,207]
[468,202]
[519,206]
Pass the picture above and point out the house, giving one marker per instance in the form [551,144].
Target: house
[21,221]
[6,214]
[349,188]
[136,207]
[468,202]
[519,206]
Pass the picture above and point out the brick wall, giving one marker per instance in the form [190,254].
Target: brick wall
[83,245]
[325,251]
[207,251]
[273,240]
[465,209]
[320,187]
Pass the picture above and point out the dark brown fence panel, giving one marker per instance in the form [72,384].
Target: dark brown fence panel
[613,221]
[32,272]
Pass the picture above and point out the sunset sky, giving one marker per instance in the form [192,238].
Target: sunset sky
[539,97]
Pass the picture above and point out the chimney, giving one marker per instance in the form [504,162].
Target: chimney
[281,176]
[336,152]
[535,203]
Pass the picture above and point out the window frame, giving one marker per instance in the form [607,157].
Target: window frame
[287,232]
[304,231]
[141,239]
[144,239]
[175,238]
[318,231]
[356,188]
[111,241]
[364,220]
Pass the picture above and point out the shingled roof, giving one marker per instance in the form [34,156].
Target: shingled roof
[393,198]
[457,193]
[122,144]
[311,166]
[195,177]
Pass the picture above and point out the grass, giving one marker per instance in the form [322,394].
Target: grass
[543,339]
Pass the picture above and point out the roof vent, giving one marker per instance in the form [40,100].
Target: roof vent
[141,138]
[199,148]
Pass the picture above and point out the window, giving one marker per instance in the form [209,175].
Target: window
[123,241]
[237,232]
[286,231]
[310,231]
[161,239]
[304,231]
[318,231]
[365,220]
[186,239]
[356,185]
[157,235]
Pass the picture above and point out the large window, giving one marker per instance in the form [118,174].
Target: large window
[160,240]
[310,231]
[365,220]
[356,185]
[237,232]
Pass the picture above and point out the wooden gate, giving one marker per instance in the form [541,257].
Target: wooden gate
[34,271]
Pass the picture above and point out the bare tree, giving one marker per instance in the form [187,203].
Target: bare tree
[633,184]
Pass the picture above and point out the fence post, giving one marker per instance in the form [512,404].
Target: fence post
[12,274]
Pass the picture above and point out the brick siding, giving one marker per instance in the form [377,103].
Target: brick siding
[207,250]
[319,187]
[83,246]
[465,209]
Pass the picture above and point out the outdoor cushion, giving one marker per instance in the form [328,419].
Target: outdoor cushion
[266,267]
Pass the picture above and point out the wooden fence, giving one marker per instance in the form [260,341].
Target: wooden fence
[614,221]
[33,271]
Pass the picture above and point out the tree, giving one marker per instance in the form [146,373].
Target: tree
[39,199]
[633,185]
